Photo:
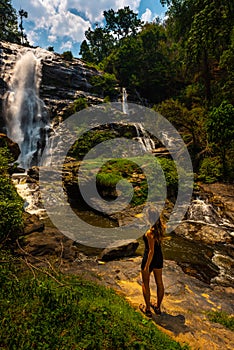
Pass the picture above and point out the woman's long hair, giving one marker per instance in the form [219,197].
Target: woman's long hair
[157,223]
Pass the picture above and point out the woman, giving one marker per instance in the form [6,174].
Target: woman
[152,261]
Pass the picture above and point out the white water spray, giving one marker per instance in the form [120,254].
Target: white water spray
[26,116]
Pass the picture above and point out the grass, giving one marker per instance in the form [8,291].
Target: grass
[141,172]
[66,312]
[222,318]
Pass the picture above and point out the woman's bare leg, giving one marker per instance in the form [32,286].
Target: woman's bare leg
[146,288]
[160,286]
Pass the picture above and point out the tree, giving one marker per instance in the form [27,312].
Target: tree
[204,28]
[22,14]
[141,64]
[100,42]
[50,48]
[99,45]
[8,22]
[123,22]
[85,52]
[220,130]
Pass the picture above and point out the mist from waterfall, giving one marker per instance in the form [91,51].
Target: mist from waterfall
[25,113]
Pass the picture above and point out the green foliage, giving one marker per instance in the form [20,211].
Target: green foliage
[76,106]
[11,205]
[88,141]
[132,171]
[69,313]
[105,84]
[79,104]
[123,22]
[190,123]
[8,22]
[210,170]
[220,130]
[67,55]
[222,318]
[141,63]
[101,41]
[204,29]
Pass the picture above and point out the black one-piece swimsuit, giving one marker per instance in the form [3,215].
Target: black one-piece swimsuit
[157,260]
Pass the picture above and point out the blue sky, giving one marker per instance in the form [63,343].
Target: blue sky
[62,23]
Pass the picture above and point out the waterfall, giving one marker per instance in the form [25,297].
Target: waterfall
[144,138]
[25,113]
[124,101]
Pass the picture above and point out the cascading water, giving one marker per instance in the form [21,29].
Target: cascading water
[25,113]
[124,101]
[144,138]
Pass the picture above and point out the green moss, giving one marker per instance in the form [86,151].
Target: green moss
[222,318]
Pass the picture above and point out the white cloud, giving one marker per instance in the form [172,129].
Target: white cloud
[66,46]
[53,16]
[70,18]
[32,37]
[147,16]
[52,38]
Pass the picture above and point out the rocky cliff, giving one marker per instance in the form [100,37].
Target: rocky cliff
[61,81]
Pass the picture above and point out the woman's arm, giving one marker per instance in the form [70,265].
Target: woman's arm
[151,250]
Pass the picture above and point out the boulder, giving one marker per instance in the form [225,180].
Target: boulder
[32,223]
[50,243]
[201,232]
[125,248]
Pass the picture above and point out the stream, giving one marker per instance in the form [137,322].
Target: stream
[212,263]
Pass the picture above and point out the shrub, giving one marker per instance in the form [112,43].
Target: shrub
[11,204]
[210,170]
[76,106]
[67,55]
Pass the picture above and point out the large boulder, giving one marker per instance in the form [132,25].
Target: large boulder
[125,248]
[32,223]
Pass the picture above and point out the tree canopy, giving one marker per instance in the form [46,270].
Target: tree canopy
[8,22]
[183,66]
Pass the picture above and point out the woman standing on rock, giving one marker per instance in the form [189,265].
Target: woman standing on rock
[153,261]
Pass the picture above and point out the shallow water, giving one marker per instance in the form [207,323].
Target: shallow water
[210,264]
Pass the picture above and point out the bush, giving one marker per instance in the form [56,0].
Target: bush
[11,204]
[67,55]
[76,106]
[210,170]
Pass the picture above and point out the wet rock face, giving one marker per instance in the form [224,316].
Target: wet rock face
[61,82]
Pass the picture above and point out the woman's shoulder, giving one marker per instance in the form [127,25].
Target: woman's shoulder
[149,234]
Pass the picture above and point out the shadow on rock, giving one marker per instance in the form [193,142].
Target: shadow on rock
[175,324]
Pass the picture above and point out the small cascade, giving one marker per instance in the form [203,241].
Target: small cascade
[144,138]
[124,101]
[26,116]
[203,212]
